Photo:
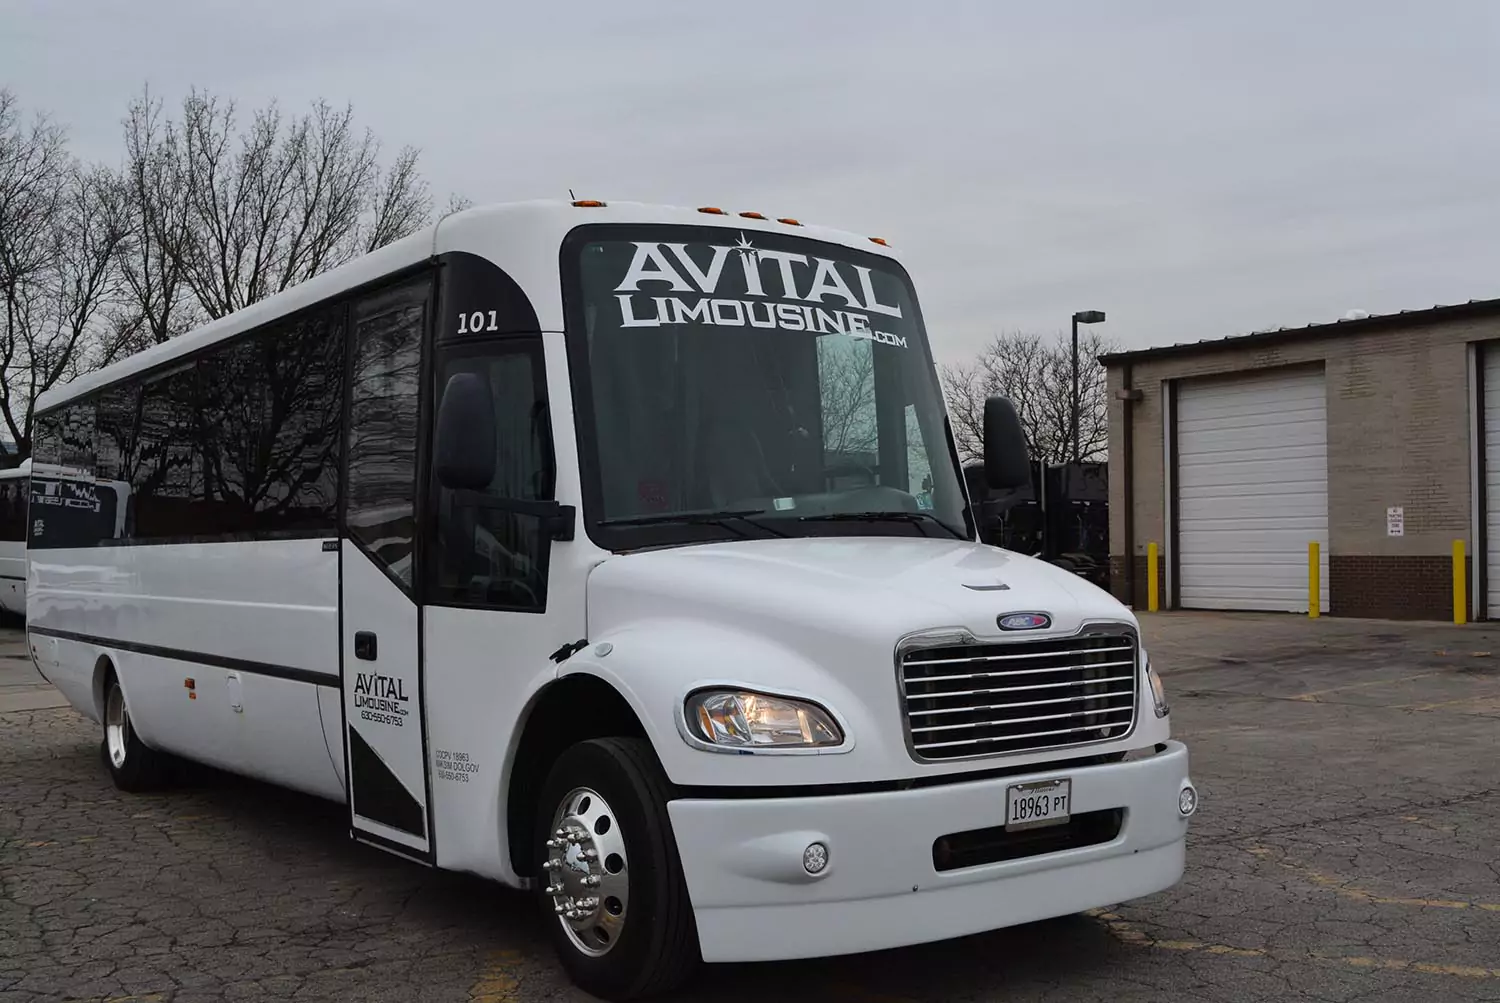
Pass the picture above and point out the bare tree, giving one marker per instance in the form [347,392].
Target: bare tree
[203,218]
[155,255]
[61,227]
[235,216]
[1036,373]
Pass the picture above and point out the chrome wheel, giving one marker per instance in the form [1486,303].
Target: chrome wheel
[587,872]
[116,726]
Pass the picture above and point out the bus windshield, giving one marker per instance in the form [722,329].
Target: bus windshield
[727,379]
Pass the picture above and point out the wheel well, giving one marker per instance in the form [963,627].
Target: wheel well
[569,711]
[103,669]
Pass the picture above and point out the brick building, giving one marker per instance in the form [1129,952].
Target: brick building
[1378,438]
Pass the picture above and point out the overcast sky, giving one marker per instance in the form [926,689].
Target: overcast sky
[1193,169]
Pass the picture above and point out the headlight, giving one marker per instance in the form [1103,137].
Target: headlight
[741,719]
[1158,691]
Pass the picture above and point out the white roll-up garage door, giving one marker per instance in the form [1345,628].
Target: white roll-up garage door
[1491,361]
[1252,490]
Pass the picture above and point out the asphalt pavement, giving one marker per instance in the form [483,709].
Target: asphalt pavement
[22,687]
[1344,851]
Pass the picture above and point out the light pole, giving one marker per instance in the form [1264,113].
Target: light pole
[1081,317]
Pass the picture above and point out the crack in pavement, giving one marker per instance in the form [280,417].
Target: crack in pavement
[1318,823]
[498,982]
[1130,932]
[1341,886]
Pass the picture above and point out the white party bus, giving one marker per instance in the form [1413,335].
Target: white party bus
[620,553]
[14,486]
[59,515]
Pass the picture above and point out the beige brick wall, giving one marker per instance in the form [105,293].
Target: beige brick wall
[1398,431]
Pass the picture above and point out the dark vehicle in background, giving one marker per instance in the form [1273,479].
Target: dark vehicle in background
[1063,519]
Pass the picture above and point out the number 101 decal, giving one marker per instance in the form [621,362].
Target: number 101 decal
[478,322]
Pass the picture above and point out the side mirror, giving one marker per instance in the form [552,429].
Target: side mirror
[1006,463]
[464,453]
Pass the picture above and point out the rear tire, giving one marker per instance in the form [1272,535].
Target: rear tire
[609,880]
[132,766]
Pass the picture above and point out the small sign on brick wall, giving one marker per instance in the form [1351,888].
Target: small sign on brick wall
[1395,521]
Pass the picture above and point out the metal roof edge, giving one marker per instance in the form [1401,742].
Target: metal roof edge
[1341,326]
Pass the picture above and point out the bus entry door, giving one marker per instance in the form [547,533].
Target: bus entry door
[390,794]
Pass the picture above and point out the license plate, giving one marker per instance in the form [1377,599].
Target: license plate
[1045,802]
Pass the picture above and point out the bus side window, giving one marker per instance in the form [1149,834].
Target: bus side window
[381,454]
[13,510]
[487,555]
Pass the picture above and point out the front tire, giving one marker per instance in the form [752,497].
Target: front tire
[609,880]
[132,766]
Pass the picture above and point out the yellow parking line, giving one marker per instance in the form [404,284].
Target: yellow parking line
[1222,731]
[497,983]
[1473,698]
[1313,696]
[1399,965]
[1130,933]
[1350,891]
[1449,830]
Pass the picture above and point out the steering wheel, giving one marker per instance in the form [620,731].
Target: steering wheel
[877,498]
[483,588]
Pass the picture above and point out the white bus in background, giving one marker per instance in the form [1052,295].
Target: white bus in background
[622,553]
[14,483]
[61,513]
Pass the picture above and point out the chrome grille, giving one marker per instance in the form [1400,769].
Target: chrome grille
[989,699]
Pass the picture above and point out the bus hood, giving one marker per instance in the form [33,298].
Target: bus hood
[864,588]
[816,619]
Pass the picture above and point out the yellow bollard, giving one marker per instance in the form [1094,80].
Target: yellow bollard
[1152,599]
[1460,584]
[1314,591]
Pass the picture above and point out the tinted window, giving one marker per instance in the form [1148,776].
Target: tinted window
[46,439]
[71,513]
[13,510]
[241,443]
[66,508]
[166,471]
[385,395]
[486,554]
[77,439]
[117,422]
[268,430]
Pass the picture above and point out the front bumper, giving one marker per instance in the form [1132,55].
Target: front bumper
[754,900]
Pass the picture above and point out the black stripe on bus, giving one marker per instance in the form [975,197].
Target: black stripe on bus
[13,578]
[197,657]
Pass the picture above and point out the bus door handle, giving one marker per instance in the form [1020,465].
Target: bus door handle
[364,645]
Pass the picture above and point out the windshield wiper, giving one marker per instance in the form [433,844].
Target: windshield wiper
[920,518]
[734,521]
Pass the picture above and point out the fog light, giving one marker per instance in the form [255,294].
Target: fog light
[815,858]
[1187,800]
